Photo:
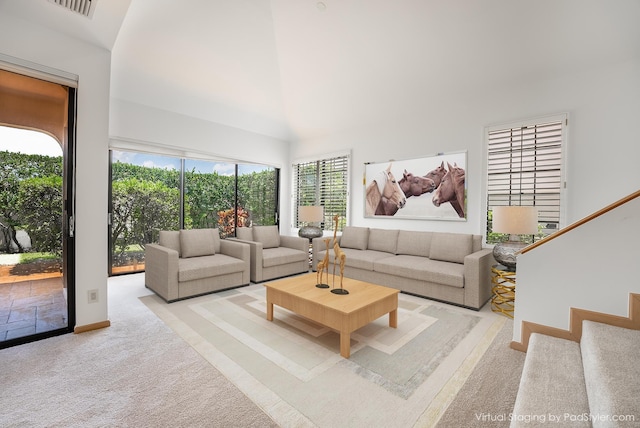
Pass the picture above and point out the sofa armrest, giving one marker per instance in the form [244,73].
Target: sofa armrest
[255,256]
[235,248]
[240,250]
[161,271]
[477,278]
[295,242]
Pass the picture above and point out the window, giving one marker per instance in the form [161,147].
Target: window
[323,182]
[525,167]
[152,192]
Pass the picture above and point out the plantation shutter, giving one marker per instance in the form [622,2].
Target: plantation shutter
[524,168]
[323,182]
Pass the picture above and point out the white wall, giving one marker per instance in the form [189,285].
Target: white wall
[40,45]
[593,267]
[603,105]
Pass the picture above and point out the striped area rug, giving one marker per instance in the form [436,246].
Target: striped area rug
[292,368]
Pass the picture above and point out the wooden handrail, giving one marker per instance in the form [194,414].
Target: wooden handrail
[580,222]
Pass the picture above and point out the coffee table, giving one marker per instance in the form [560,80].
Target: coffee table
[344,313]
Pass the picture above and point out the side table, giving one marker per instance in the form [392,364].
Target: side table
[503,289]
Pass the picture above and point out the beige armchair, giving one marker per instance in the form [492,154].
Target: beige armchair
[274,255]
[189,263]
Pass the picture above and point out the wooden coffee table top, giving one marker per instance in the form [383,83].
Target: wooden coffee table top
[361,294]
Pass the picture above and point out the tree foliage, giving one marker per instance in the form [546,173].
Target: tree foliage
[15,169]
[40,205]
[205,196]
[144,201]
[209,202]
[140,209]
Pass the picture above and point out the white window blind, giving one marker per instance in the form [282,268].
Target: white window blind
[323,182]
[524,168]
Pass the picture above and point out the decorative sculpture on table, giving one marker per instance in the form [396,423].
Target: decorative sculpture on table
[339,257]
[322,265]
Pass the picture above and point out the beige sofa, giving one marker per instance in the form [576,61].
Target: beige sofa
[274,255]
[449,267]
[189,263]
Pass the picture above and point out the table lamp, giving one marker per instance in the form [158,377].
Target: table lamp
[310,214]
[514,220]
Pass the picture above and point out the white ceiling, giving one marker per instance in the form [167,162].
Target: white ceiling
[286,69]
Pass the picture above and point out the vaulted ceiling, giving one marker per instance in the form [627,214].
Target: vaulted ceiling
[295,70]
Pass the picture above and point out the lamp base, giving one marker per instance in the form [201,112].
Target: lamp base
[310,232]
[505,253]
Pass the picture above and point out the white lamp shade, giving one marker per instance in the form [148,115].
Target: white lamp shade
[310,214]
[515,220]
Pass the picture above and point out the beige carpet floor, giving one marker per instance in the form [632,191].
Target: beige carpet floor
[195,369]
[489,393]
[292,369]
[136,373]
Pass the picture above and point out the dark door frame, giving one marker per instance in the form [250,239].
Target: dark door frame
[68,232]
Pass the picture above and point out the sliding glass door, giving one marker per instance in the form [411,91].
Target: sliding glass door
[150,193]
[37,244]
[145,198]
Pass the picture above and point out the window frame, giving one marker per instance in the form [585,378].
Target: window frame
[327,223]
[563,120]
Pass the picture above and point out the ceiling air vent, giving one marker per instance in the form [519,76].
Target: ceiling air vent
[83,7]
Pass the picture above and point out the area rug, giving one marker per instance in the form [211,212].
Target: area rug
[292,368]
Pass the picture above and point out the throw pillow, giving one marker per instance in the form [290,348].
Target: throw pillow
[414,243]
[450,247]
[197,242]
[383,240]
[216,239]
[170,239]
[354,237]
[244,233]
[269,236]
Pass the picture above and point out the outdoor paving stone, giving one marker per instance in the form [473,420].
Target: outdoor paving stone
[50,323]
[17,325]
[45,299]
[31,306]
[22,314]
[20,332]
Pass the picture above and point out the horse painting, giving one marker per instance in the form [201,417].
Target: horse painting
[414,185]
[384,195]
[437,174]
[451,189]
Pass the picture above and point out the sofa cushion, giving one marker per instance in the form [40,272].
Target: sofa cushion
[383,240]
[354,237]
[194,268]
[244,233]
[268,236]
[422,269]
[198,242]
[361,259]
[414,243]
[450,247]
[281,256]
[477,243]
[170,239]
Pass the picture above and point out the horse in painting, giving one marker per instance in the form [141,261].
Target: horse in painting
[414,185]
[384,195]
[437,174]
[451,189]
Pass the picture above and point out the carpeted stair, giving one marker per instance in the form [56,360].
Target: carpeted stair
[594,383]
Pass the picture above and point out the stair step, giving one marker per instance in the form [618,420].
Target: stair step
[552,385]
[611,359]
